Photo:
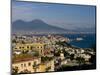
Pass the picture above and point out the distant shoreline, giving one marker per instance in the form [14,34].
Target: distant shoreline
[51,33]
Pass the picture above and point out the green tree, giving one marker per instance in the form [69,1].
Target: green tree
[36,53]
[72,56]
[35,67]
[15,71]
[14,41]
[80,60]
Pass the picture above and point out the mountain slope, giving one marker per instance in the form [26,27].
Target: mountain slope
[36,26]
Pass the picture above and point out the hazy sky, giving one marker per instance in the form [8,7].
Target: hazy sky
[65,16]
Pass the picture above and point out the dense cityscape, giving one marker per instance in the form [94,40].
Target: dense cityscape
[48,53]
[50,37]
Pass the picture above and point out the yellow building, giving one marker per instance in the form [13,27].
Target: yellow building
[34,46]
[47,66]
[29,64]
[33,65]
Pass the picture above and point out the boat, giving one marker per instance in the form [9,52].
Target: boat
[79,39]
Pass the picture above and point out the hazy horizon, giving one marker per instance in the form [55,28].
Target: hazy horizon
[65,16]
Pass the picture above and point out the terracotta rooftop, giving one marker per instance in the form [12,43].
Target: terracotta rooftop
[24,59]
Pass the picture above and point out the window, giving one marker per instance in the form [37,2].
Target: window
[35,63]
[15,48]
[31,47]
[21,65]
[24,65]
[41,51]
[27,46]
[29,64]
